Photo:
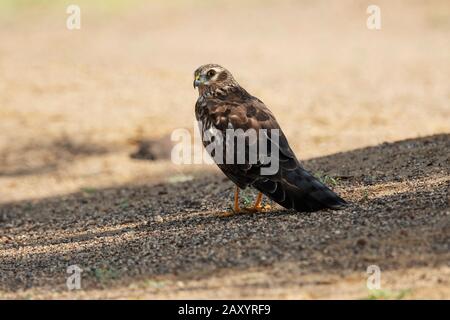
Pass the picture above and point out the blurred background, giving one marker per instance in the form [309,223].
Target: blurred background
[75,104]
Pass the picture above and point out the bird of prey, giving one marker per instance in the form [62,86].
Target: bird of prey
[223,104]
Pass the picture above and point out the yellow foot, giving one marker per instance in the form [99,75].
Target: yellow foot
[256,209]
[248,210]
[252,209]
[229,213]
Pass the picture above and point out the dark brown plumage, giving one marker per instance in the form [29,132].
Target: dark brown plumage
[224,104]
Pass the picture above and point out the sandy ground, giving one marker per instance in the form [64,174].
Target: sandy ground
[72,103]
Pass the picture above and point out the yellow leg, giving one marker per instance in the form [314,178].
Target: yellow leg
[236,201]
[257,206]
[235,208]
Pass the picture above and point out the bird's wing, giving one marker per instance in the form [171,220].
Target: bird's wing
[291,186]
[243,111]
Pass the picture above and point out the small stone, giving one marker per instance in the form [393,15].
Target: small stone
[361,242]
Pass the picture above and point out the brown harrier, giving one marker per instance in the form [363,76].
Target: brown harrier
[223,105]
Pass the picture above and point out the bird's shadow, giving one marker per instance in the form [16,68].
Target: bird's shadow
[398,196]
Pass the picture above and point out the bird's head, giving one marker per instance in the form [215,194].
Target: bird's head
[210,77]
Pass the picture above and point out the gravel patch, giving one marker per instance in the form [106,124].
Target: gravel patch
[399,218]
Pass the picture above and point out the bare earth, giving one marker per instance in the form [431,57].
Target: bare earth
[369,110]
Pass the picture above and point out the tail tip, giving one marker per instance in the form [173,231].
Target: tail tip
[339,204]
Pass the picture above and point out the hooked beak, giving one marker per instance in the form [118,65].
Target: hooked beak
[197,81]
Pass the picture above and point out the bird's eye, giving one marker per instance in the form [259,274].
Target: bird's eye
[211,73]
